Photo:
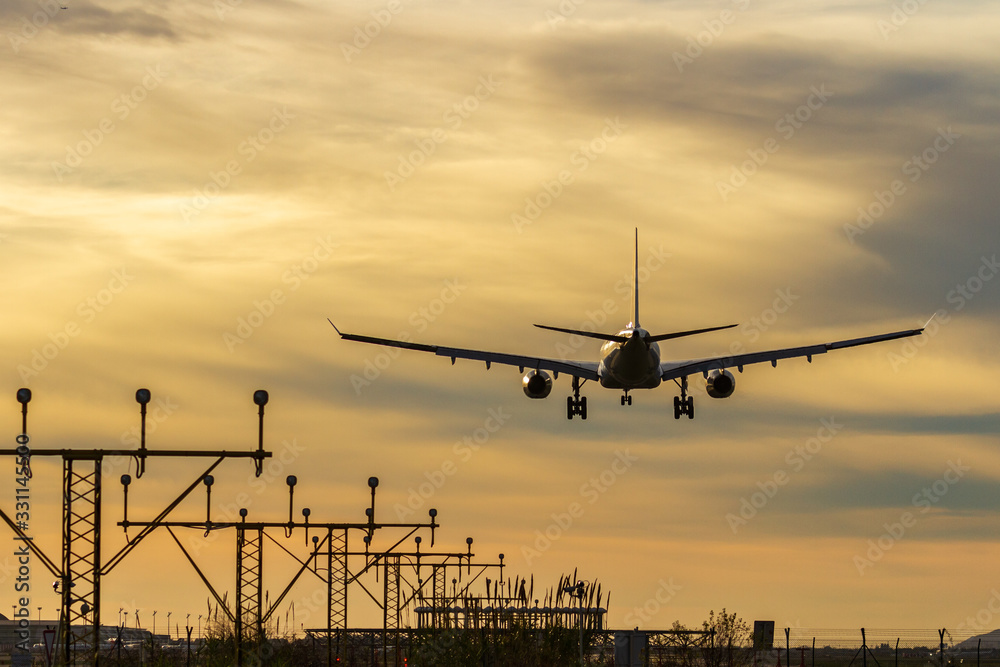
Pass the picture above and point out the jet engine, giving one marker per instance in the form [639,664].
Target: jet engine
[721,384]
[537,384]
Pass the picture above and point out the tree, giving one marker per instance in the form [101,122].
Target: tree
[731,645]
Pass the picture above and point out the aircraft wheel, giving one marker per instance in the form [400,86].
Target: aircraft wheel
[569,407]
[583,407]
[690,407]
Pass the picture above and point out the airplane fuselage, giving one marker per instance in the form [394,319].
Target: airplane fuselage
[634,364]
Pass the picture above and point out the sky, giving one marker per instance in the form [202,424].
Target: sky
[191,189]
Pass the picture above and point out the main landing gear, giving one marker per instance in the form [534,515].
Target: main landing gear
[626,399]
[683,404]
[576,404]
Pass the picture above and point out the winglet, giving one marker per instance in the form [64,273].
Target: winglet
[334,327]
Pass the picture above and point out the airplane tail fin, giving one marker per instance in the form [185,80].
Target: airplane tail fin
[635,284]
[634,324]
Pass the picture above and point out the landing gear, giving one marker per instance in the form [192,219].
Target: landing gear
[575,404]
[683,404]
[626,399]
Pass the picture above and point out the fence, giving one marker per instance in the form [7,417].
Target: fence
[799,647]
[553,647]
[885,647]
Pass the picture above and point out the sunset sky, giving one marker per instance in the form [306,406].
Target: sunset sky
[190,189]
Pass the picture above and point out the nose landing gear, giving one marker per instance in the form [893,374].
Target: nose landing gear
[626,399]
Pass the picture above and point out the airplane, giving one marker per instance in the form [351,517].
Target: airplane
[630,359]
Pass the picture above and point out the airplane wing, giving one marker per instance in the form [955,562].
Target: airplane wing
[676,369]
[585,370]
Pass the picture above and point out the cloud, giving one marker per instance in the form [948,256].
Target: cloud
[686,130]
[91,18]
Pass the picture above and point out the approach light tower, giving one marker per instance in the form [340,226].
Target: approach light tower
[80,569]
